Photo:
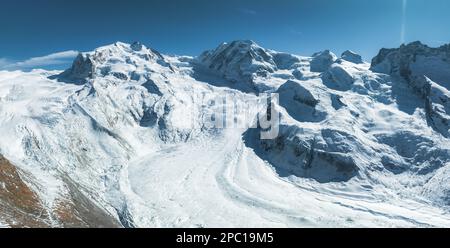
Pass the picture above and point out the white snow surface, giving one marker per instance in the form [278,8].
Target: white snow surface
[355,148]
[3,225]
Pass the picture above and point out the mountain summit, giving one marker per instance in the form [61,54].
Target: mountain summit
[121,60]
[245,61]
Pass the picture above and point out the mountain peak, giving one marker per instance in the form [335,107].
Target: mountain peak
[244,43]
[118,59]
[238,47]
[239,60]
[352,57]
[414,44]
[136,46]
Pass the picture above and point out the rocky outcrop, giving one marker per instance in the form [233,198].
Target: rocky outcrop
[351,56]
[338,76]
[284,60]
[415,59]
[298,74]
[321,61]
[427,71]
[437,103]
[299,102]
[323,157]
[83,68]
[438,188]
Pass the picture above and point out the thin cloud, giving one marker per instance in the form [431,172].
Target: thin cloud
[4,62]
[53,59]
[248,11]
[295,31]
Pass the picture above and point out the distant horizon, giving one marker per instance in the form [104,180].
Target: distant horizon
[50,28]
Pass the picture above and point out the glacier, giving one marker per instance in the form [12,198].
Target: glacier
[123,138]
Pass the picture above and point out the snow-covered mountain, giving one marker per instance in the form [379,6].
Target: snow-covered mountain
[124,138]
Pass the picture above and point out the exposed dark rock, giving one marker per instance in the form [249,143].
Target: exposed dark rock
[299,102]
[352,57]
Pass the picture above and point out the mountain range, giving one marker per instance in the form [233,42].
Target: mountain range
[123,138]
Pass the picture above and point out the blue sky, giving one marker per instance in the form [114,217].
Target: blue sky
[47,33]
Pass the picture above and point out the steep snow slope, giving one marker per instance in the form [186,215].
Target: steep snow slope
[130,130]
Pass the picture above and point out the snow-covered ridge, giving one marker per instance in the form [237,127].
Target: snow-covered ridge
[245,61]
[415,59]
[128,127]
[120,60]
